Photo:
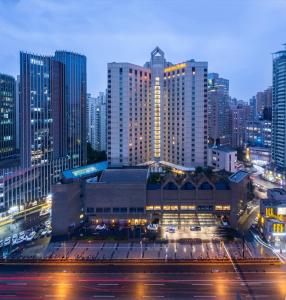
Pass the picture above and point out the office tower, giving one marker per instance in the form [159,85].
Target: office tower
[278,109]
[218,110]
[157,112]
[52,108]
[74,106]
[36,144]
[97,122]
[7,116]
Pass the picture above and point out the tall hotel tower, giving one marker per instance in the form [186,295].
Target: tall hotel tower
[279,110]
[52,108]
[157,112]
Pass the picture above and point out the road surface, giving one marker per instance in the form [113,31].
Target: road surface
[159,281]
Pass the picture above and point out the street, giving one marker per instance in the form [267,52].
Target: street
[133,281]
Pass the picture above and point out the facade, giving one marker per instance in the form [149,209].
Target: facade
[136,196]
[52,108]
[279,110]
[157,112]
[52,127]
[222,158]
[73,133]
[97,122]
[21,187]
[258,133]
[7,116]
[259,156]
[263,100]
[218,109]
[239,115]
[36,133]
[272,217]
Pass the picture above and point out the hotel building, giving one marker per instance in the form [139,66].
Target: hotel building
[157,112]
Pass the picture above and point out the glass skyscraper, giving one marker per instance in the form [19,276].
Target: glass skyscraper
[279,109]
[52,108]
[7,116]
[74,106]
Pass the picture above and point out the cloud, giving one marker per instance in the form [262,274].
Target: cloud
[236,37]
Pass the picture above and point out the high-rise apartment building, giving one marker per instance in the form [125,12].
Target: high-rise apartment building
[218,110]
[52,108]
[97,122]
[157,112]
[7,116]
[263,100]
[279,109]
[239,116]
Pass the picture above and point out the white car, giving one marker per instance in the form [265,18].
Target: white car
[44,232]
[171,229]
[14,238]
[7,241]
[100,227]
[152,227]
[20,240]
[195,228]
[22,234]
[30,236]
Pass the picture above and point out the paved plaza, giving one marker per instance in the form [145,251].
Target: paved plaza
[194,249]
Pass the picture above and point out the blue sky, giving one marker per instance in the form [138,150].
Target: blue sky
[236,37]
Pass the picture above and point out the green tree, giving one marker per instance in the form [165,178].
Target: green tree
[94,156]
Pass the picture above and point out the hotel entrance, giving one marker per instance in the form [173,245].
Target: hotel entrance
[189,219]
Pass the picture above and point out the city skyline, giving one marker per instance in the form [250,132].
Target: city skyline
[220,39]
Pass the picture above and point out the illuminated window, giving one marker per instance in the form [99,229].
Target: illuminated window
[158,207]
[188,207]
[149,207]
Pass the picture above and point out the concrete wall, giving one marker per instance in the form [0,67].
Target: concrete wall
[66,208]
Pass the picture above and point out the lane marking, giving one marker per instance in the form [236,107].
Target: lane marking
[153,297]
[202,284]
[103,296]
[154,284]
[108,284]
[201,296]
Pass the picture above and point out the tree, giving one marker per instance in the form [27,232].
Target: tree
[94,156]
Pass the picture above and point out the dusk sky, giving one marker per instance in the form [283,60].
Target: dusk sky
[236,37]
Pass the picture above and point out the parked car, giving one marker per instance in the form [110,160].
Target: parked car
[101,227]
[171,229]
[195,228]
[30,236]
[7,241]
[152,227]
